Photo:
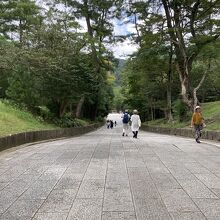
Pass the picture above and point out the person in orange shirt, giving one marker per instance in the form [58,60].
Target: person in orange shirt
[197,122]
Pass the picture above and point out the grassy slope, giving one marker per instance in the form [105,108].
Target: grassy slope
[14,121]
[210,111]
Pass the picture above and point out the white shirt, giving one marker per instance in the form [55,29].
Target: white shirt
[135,122]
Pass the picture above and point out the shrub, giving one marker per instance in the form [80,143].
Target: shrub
[180,111]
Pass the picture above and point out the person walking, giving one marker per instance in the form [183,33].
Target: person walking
[125,120]
[197,123]
[135,123]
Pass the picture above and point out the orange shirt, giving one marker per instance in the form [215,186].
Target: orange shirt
[197,118]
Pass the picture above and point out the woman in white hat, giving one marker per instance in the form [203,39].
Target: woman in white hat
[197,122]
[135,123]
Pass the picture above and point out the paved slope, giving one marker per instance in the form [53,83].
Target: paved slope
[104,176]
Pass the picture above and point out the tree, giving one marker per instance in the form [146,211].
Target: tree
[187,26]
[97,15]
[18,19]
[191,26]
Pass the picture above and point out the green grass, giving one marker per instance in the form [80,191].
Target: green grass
[210,111]
[13,121]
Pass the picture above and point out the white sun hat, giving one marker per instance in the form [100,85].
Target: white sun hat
[197,107]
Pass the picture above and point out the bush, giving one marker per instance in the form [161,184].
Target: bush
[68,121]
[180,111]
[44,112]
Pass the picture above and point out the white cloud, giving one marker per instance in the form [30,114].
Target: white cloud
[127,47]
[124,49]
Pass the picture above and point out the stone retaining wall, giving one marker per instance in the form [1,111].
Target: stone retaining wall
[33,136]
[211,135]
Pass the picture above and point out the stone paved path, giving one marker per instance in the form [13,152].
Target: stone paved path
[104,176]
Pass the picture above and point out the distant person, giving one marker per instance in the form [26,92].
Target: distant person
[115,123]
[111,124]
[197,123]
[125,120]
[135,123]
[108,124]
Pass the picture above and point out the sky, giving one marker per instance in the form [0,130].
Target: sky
[126,48]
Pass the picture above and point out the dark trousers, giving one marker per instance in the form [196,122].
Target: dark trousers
[135,134]
[198,131]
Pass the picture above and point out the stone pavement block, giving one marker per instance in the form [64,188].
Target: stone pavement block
[91,189]
[62,162]
[11,174]
[17,187]
[138,173]
[55,171]
[3,185]
[50,216]
[151,209]
[59,201]
[118,203]
[176,200]
[135,162]
[165,180]
[210,180]
[2,170]
[22,209]
[187,216]
[86,209]
[116,176]
[117,184]
[179,172]
[217,192]
[101,155]
[196,168]
[39,190]
[68,182]
[209,207]
[118,216]
[196,189]
[113,191]
[6,199]
[155,166]
[68,154]
[144,189]
[117,167]
[95,174]
[77,168]
[36,170]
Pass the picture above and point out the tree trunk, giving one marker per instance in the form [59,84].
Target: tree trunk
[79,107]
[185,92]
[169,92]
[62,109]
[197,88]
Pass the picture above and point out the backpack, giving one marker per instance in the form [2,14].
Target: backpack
[125,118]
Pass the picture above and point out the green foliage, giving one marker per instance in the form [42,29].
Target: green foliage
[22,88]
[181,112]
[210,112]
[13,120]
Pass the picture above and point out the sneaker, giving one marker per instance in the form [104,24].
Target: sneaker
[123,134]
[198,141]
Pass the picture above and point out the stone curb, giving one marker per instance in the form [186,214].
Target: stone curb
[35,136]
[210,135]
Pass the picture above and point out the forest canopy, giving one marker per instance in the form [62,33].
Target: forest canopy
[53,68]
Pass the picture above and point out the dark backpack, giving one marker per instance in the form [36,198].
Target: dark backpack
[125,118]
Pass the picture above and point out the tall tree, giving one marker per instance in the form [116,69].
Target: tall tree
[187,25]
[18,18]
[191,26]
[97,15]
